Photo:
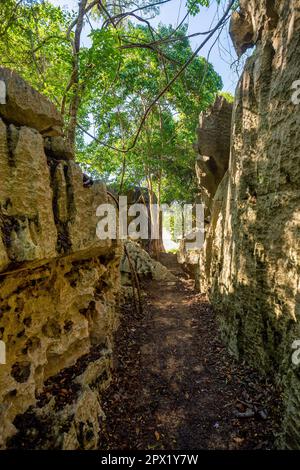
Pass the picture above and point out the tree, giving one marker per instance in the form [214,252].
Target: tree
[34,44]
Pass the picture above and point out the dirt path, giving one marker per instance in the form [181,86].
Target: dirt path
[175,387]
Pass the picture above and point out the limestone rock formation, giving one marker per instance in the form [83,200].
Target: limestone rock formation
[59,284]
[186,255]
[140,195]
[241,32]
[58,148]
[252,252]
[190,257]
[213,148]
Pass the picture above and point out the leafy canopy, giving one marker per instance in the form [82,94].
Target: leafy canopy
[123,67]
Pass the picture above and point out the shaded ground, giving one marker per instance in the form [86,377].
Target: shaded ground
[175,386]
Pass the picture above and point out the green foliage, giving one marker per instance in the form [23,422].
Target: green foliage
[119,76]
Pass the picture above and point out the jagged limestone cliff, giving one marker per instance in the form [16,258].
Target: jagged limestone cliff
[58,282]
[252,252]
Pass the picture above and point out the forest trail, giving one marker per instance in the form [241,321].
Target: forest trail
[175,386]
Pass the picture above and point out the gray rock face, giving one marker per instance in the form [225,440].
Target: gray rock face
[253,252]
[59,284]
[23,106]
[58,148]
[213,147]
[145,266]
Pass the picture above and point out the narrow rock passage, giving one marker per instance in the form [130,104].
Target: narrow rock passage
[175,386]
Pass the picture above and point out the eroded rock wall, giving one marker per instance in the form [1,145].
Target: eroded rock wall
[213,148]
[58,282]
[254,266]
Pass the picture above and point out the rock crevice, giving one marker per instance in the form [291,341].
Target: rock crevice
[59,284]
